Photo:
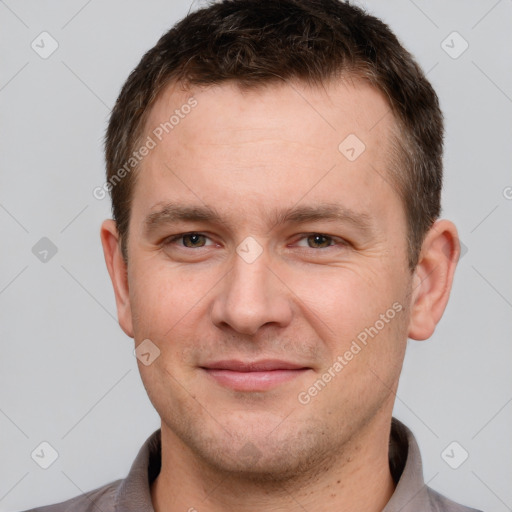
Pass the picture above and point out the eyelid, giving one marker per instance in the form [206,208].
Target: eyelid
[335,239]
[174,238]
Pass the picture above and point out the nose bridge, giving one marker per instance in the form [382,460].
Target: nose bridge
[251,295]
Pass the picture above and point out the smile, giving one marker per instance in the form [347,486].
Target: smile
[253,376]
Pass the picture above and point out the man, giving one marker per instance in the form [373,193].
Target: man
[275,171]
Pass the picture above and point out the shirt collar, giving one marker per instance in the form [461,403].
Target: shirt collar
[411,494]
[134,493]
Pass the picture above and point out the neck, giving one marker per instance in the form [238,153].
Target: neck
[360,481]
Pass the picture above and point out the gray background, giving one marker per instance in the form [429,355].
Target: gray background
[68,374]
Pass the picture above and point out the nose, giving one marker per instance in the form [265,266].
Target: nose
[251,296]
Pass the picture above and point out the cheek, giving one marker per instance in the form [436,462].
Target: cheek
[360,317]
[169,302]
[158,298]
[344,299]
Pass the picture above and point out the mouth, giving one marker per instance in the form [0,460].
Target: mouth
[253,376]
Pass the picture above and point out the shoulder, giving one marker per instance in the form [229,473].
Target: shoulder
[440,503]
[101,498]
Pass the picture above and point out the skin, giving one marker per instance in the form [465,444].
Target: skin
[303,300]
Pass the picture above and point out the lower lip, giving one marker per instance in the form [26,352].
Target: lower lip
[253,381]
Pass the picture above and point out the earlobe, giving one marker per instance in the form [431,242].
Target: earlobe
[433,278]
[117,270]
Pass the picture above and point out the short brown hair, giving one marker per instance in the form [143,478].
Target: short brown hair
[257,42]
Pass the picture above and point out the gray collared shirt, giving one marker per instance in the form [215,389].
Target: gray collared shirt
[132,494]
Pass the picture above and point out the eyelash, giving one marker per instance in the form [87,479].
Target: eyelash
[174,238]
[335,240]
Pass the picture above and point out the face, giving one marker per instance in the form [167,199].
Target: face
[267,263]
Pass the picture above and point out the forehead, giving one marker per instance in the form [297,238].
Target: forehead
[252,150]
[331,109]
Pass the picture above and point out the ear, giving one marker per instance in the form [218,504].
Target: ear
[117,269]
[433,277]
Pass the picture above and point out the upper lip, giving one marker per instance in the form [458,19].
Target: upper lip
[253,366]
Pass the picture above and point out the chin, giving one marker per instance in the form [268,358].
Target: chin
[261,451]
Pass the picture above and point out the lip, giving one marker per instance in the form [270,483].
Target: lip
[253,375]
[252,366]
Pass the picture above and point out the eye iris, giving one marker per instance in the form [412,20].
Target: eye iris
[318,240]
[193,239]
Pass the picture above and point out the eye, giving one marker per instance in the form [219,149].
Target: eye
[189,240]
[319,241]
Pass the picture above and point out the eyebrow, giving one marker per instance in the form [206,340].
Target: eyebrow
[325,212]
[170,213]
